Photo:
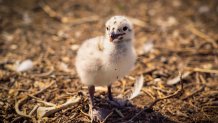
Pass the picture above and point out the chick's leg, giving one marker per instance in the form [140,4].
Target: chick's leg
[111,99]
[91,95]
[110,96]
[96,113]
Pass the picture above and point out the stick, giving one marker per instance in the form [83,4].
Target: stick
[177,79]
[16,119]
[84,113]
[178,92]
[203,70]
[34,109]
[119,113]
[41,101]
[46,111]
[107,117]
[199,90]
[46,73]
[53,14]
[21,101]
[192,29]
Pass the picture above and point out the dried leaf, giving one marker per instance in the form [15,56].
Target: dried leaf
[46,111]
[177,79]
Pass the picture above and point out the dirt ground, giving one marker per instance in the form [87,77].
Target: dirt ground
[173,38]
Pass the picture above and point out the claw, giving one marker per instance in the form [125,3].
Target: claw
[118,103]
[98,115]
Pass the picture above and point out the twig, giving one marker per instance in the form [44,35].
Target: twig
[46,73]
[41,101]
[187,51]
[205,107]
[84,113]
[53,14]
[202,79]
[178,92]
[123,86]
[130,78]
[148,93]
[46,111]
[201,35]
[97,88]
[34,109]
[119,113]
[5,89]
[202,70]
[177,79]
[48,10]
[16,119]
[160,89]
[105,119]
[82,20]
[21,101]
[197,91]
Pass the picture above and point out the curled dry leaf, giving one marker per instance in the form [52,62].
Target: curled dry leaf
[22,101]
[137,87]
[46,111]
[177,78]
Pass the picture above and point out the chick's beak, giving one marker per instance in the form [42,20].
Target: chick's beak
[112,36]
[115,36]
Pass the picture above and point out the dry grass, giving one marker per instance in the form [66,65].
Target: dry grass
[183,34]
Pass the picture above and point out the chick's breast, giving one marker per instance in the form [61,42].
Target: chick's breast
[89,61]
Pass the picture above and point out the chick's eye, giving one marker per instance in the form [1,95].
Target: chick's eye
[125,28]
[107,28]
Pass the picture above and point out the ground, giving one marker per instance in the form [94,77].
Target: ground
[173,38]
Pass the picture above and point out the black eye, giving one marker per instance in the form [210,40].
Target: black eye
[107,28]
[125,28]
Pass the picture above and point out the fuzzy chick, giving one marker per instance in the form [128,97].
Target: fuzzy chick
[105,59]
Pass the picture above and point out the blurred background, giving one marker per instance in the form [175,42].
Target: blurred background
[171,37]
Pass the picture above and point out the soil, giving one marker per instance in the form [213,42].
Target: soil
[173,38]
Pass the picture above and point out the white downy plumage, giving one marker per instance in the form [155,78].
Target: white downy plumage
[105,59]
[137,87]
[24,66]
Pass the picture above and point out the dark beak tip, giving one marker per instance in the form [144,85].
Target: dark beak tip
[111,39]
[114,36]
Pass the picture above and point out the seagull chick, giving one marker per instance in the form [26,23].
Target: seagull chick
[105,59]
